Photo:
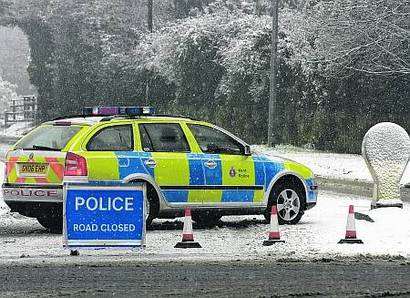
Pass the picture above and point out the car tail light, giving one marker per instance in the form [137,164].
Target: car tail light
[75,165]
[8,166]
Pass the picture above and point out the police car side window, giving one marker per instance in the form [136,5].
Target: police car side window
[113,138]
[163,137]
[211,140]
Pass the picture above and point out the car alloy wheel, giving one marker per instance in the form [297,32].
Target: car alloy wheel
[288,204]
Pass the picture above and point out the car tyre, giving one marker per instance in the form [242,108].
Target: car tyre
[54,224]
[290,200]
[152,205]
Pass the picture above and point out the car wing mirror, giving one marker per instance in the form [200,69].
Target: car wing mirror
[247,150]
[212,148]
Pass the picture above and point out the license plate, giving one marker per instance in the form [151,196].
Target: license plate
[33,168]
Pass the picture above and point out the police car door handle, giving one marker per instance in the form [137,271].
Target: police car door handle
[150,163]
[210,164]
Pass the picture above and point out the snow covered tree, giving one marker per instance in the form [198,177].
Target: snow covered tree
[211,61]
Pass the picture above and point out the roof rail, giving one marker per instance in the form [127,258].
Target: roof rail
[172,116]
[69,116]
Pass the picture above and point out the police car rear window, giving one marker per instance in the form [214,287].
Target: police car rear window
[112,138]
[48,137]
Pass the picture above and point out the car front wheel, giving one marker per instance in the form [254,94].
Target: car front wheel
[289,200]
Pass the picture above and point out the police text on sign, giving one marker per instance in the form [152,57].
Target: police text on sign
[104,204]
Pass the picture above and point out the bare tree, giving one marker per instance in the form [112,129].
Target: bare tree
[363,35]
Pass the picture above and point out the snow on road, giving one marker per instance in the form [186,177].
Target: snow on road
[236,237]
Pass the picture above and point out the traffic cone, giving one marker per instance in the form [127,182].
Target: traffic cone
[351,236]
[187,234]
[274,235]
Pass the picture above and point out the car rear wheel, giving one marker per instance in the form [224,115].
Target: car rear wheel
[53,224]
[289,199]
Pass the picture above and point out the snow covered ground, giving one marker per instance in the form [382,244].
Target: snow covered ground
[236,238]
[17,130]
[23,239]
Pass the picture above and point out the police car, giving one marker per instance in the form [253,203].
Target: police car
[184,162]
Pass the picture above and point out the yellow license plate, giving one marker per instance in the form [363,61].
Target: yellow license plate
[33,168]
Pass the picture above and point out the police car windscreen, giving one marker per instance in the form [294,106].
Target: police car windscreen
[48,137]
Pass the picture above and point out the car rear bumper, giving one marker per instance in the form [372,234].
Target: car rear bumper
[37,209]
[20,193]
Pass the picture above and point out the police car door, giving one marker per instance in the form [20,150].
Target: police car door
[231,177]
[109,151]
[166,148]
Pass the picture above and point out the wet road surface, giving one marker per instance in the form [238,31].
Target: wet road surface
[211,279]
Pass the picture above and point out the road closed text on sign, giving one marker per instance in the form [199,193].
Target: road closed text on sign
[109,215]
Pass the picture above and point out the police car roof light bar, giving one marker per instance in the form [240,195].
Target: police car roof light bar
[114,111]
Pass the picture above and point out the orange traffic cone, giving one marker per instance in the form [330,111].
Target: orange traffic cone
[274,235]
[351,236]
[187,234]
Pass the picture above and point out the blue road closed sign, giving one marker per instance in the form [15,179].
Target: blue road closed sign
[104,215]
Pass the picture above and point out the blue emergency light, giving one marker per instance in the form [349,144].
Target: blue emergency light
[113,111]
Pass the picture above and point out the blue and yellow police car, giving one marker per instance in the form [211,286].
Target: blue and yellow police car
[184,162]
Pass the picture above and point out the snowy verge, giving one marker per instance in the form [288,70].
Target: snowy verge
[332,166]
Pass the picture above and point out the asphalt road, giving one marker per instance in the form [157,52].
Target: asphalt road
[211,279]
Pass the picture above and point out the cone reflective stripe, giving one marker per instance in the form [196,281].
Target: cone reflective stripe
[187,233]
[274,234]
[351,236]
